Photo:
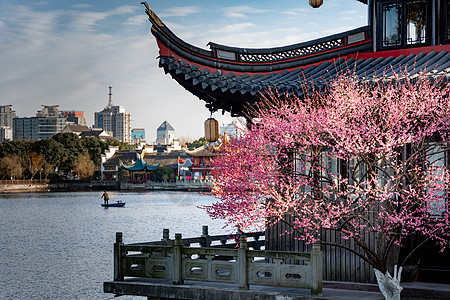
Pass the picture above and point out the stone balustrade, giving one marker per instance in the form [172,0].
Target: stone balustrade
[235,259]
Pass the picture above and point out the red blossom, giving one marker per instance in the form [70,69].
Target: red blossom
[391,134]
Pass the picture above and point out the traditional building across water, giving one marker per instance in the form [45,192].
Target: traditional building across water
[202,156]
[140,170]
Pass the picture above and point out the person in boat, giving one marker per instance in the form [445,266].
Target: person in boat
[105,197]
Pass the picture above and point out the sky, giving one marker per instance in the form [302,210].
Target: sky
[68,52]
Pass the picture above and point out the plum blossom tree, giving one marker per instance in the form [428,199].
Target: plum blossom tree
[362,157]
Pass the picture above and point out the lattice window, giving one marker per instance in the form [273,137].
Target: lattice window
[291,53]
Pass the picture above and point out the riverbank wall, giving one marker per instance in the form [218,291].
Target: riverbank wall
[192,186]
[21,186]
[32,186]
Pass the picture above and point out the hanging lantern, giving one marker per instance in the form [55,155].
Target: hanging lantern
[211,130]
[315,3]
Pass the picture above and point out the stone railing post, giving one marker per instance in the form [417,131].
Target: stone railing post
[205,237]
[177,260]
[316,270]
[242,264]
[118,276]
[165,238]
[256,245]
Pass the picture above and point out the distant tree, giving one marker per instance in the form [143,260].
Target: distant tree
[16,147]
[51,150]
[72,148]
[84,166]
[35,162]
[116,142]
[95,147]
[197,143]
[11,167]
[124,175]
[163,174]
[47,169]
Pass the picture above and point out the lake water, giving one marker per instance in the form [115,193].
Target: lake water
[60,245]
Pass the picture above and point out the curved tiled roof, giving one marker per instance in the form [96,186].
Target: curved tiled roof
[201,151]
[230,78]
[139,165]
[231,92]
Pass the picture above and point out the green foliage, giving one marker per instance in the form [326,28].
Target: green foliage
[59,152]
[72,146]
[52,151]
[95,148]
[124,175]
[122,145]
[163,174]
[18,148]
[197,143]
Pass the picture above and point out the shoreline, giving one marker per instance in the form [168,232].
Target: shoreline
[33,187]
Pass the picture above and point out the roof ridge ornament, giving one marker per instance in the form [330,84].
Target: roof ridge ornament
[154,19]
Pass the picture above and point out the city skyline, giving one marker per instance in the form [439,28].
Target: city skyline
[68,53]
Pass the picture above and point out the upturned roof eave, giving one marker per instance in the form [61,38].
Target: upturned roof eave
[248,60]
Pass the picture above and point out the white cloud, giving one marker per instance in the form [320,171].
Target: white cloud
[136,20]
[296,11]
[53,61]
[86,20]
[181,11]
[82,5]
[40,3]
[240,27]
[241,12]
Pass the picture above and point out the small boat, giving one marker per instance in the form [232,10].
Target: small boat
[117,204]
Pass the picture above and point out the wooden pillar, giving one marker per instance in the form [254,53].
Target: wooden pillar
[118,257]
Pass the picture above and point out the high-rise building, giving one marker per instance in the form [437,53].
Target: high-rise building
[165,134]
[5,133]
[74,117]
[48,111]
[137,135]
[232,129]
[36,128]
[44,125]
[7,114]
[115,119]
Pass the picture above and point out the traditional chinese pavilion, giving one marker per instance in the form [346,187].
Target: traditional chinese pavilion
[411,35]
[140,170]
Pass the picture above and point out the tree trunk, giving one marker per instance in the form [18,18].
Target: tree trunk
[390,286]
